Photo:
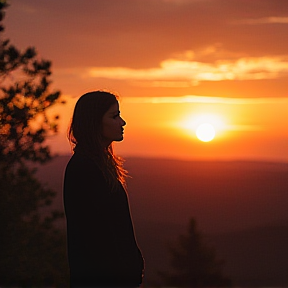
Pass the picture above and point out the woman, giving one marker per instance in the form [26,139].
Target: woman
[102,250]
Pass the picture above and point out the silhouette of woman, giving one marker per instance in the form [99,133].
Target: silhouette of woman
[102,250]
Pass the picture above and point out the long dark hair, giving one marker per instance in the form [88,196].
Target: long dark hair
[85,136]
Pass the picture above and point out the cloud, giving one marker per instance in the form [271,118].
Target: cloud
[205,100]
[193,72]
[265,20]
[182,1]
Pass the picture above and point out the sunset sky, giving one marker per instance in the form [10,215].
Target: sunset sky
[176,64]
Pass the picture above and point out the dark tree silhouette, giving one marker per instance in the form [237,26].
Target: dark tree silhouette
[194,263]
[25,97]
[32,249]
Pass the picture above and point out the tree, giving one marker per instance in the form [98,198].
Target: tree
[32,249]
[25,97]
[194,263]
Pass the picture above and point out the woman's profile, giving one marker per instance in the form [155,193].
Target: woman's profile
[102,250]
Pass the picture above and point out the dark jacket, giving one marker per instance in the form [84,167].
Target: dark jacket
[102,250]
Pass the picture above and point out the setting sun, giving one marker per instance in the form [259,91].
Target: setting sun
[205,126]
[205,132]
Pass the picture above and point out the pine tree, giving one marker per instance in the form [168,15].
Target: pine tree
[32,249]
[194,262]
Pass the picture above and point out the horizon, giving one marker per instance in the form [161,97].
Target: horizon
[136,157]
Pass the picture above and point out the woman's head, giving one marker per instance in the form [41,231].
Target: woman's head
[112,125]
[95,124]
[94,114]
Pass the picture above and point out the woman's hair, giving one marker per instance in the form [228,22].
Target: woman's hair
[85,135]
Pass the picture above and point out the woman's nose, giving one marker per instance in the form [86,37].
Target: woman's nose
[123,122]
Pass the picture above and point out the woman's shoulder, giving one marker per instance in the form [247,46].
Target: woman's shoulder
[81,163]
[82,173]
[82,159]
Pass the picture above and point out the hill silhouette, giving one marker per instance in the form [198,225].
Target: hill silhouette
[241,206]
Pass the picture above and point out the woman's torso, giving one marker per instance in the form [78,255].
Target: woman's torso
[102,249]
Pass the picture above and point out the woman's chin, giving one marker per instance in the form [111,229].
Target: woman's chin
[119,139]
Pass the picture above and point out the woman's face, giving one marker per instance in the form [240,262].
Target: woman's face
[112,125]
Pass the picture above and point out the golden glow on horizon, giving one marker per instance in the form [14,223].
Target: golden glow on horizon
[166,127]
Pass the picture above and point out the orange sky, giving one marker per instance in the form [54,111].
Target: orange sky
[175,63]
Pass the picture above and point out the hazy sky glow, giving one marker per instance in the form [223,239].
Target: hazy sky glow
[174,64]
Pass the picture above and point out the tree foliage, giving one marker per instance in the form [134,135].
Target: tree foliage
[32,249]
[194,262]
[24,99]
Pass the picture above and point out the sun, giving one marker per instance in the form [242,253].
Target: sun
[205,132]
[204,126]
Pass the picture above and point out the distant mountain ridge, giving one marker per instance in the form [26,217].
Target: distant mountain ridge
[241,206]
[228,195]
